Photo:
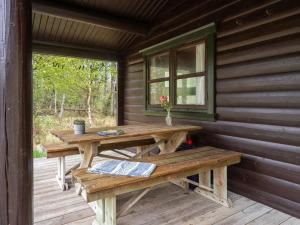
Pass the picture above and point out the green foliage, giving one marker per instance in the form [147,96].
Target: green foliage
[79,122]
[38,154]
[67,88]
[55,76]
[46,123]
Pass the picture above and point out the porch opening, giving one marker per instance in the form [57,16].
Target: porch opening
[67,89]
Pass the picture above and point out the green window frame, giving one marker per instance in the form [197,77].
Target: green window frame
[170,47]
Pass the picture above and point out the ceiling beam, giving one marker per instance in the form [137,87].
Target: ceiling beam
[72,50]
[97,18]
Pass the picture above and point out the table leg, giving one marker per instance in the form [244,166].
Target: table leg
[61,176]
[89,151]
[173,142]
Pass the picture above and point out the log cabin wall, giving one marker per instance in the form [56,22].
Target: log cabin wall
[257,92]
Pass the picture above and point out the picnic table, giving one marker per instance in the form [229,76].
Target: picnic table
[167,138]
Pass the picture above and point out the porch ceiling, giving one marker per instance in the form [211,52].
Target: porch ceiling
[101,25]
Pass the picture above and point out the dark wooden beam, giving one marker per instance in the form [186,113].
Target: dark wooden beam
[15,113]
[101,19]
[121,80]
[64,49]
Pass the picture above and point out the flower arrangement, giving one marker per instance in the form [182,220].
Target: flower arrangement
[164,102]
[166,105]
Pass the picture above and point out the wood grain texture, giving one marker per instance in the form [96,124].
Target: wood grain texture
[257,70]
[120,82]
[15,113]
[169,166]
[89,16]
[64,49]
[276,99]
[266,183]
[168,204]
[130,131]
[262,149]
[272,82]
[61,149]
[280,203]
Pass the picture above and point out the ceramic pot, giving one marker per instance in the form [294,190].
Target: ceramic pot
[79,128]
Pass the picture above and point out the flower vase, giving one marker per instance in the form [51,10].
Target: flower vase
[169,118]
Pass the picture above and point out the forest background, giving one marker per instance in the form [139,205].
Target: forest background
[65,89]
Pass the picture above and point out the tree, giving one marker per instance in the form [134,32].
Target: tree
[73,83]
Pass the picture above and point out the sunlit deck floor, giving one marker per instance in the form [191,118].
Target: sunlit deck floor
[167,204]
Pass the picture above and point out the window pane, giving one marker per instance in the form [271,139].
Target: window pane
[158,89]
[159,66]
[191,91]
[191,59]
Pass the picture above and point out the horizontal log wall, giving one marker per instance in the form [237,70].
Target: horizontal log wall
[257,93]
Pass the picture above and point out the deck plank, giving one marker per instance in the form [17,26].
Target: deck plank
[165,205]
[273,217]
[247,215]
[291,221]
[219,213]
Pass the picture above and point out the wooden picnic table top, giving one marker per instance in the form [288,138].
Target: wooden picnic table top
[91,135]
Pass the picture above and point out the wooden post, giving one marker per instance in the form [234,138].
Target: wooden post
[139,151]
[204,178]
[106,211]
[15,113]
[111,211]
[61,173]
[89,151]
[220,183]
[174,142]
[120,80]
[219,191]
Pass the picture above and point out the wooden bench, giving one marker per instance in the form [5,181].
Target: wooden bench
[61,150]
[100,191]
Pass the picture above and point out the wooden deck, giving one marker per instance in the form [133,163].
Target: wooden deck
[165,205]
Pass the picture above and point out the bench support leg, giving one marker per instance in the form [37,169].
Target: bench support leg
[105,209]
[131,202]
[89,151]
[169,146]
[205,178]
[139,152]
[61,173]
[219,191]
[145,150]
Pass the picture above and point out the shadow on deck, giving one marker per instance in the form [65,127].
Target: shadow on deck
[165,205]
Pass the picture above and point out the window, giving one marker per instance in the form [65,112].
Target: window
[190,75]
[182,68]
[158,77]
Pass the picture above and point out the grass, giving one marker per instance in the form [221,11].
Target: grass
[42,125]
[38,154]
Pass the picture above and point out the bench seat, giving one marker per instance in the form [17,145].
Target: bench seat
[97,189]
[62,149]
